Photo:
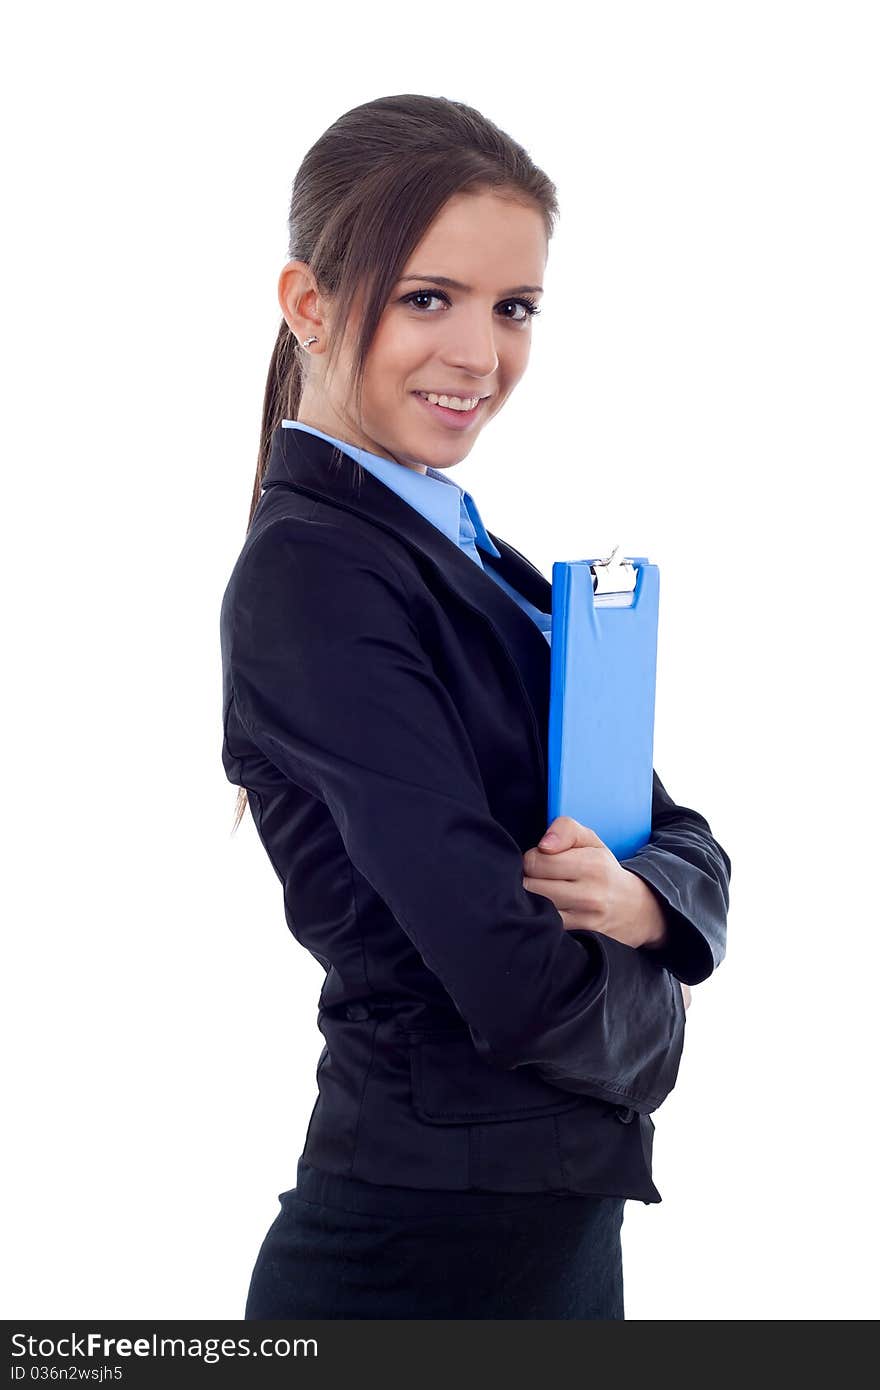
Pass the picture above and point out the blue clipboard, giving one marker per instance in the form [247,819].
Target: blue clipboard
[603,671]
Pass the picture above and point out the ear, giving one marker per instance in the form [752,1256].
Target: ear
[300,301]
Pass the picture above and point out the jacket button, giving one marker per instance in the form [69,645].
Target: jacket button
[624,1114]
[356,1013]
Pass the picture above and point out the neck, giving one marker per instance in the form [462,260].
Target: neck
[323,416]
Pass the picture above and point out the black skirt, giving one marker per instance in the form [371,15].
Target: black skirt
[342,1248]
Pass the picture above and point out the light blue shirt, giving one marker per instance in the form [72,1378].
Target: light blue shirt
[444,503]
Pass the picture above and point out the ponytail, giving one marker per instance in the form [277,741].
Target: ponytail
[281,400]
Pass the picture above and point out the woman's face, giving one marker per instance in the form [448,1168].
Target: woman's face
[468,339]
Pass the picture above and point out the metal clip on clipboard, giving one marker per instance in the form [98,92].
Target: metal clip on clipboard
[614,582]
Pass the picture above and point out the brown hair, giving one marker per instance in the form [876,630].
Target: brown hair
[364,196]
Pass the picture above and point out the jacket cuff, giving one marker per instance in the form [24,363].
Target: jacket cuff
[686,953]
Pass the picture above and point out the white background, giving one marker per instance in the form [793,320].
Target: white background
[702,390]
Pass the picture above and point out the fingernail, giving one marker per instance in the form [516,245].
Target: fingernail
[551,838]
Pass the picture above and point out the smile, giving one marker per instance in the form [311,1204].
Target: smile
[449,415]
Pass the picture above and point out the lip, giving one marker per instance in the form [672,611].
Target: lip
[453,419]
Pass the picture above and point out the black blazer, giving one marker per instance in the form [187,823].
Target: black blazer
[385,703]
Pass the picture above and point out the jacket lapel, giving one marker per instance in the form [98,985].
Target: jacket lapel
[312,466]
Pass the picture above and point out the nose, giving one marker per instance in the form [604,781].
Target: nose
[472,349]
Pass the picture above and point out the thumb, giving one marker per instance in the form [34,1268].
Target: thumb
[566,833]
[553,836]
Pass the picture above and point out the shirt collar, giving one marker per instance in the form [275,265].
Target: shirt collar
[441,500]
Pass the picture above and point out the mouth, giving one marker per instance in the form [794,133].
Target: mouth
[455,419]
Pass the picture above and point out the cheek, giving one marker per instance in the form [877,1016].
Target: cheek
[386,388]
[396,355]
[387,384]
[516,360]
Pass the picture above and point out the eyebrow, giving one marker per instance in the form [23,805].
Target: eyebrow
[457,285]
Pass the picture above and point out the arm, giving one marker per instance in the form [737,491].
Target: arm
[331,681]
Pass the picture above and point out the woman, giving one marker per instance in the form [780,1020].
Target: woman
[500,1016]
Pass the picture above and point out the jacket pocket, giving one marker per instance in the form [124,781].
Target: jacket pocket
[451,1084]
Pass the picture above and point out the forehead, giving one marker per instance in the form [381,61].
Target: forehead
[485,240]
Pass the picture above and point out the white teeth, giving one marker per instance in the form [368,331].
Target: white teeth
[451,402]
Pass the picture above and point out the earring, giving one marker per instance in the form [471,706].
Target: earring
[309,341]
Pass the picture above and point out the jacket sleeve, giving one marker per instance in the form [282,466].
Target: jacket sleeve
[333,685]
[689,872]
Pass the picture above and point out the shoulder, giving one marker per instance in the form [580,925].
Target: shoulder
[320,589]
[321,543]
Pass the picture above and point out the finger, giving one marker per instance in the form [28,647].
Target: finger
[565,896]
[572,863]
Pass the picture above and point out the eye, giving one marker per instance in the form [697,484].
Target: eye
[422,294]
[528,306]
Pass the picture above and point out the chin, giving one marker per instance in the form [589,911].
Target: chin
[432,454]
[446,462]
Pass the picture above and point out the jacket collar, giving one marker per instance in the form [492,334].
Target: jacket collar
[311,465]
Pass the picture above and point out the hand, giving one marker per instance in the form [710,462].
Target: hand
[589,887]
